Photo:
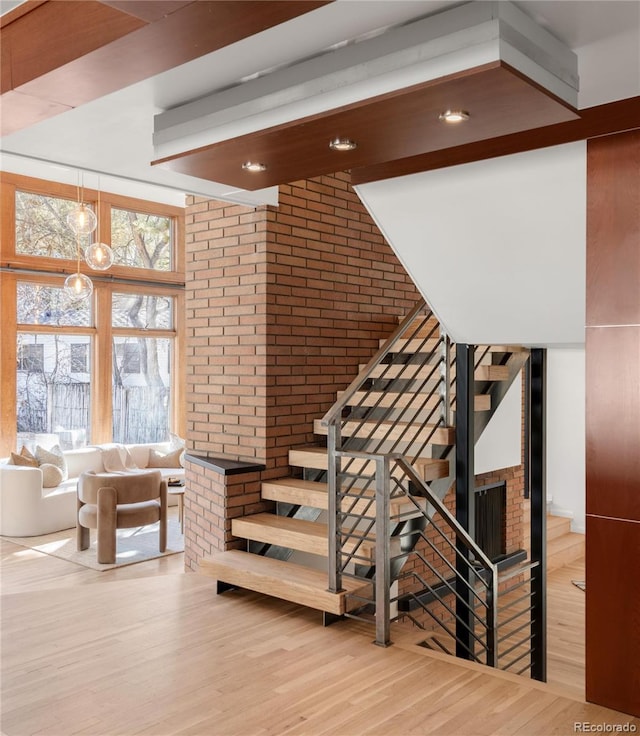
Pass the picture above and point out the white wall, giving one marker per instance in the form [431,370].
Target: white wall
[500,445]
[566,434]
[496,247]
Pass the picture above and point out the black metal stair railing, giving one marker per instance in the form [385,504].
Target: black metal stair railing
[390,464]
[401,494]
[398,403]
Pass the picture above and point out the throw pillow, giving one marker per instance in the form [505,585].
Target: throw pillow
[176,442]
[170,460]
[27,453]
[112,460]
[54,456]
[127,459]
[24,460]
[51,475]
[117,459]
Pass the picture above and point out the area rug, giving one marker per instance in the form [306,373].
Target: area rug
[133,545]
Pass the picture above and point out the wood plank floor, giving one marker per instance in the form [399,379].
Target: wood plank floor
[148,650]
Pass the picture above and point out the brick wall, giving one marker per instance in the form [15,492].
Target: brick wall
[282,305]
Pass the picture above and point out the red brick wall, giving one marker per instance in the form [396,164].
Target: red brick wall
[335,289]
[282,304]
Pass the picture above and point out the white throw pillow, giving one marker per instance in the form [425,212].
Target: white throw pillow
[177,443]
[54,456]
[170,460]
[51,475]
[117,459]
[111,460]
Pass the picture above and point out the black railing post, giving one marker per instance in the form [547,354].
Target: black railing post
[526,450]
[465,493]
[538,496]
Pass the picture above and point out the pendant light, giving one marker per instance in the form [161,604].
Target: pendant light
[98,256]
[78,286]
[82,220]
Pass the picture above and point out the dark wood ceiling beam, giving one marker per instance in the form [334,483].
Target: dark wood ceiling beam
[387,127]
[63,54]
[613,117]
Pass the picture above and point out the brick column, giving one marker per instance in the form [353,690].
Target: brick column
[282,305]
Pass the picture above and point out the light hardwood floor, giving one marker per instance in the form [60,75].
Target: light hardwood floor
[148,650]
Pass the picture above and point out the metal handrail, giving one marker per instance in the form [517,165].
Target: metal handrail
[385,463]
[378,429]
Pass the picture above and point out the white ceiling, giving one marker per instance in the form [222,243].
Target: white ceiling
[113,135]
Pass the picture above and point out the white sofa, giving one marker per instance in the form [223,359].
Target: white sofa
[28,510]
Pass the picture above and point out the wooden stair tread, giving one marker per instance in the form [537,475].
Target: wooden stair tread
[564,550]
[296,491]
[411,401]
[285,580]
[557,526]
[299,534]
[564,542]
[419,372]
[377,430]
[415,344]
[317,459]
[313,493]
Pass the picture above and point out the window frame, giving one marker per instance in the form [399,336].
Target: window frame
[53,271]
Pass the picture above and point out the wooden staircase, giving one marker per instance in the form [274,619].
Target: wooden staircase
[308,586]
[563,545]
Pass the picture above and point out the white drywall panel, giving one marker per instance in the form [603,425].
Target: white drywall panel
[566,434]
[496,247]
[500,445]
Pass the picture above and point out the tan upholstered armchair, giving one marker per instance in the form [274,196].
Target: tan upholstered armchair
[110,501]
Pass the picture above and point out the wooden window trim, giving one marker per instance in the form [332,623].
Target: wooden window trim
[52,271]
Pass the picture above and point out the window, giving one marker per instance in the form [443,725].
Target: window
[50,398]
[142,311]
[140,240]
[31,358]
[141,389]
[79,358]
[41,226]
[101,369]
[40,304]
[128,358]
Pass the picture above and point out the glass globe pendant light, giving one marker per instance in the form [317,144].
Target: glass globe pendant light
[78,286]
[98,256]
[82,219]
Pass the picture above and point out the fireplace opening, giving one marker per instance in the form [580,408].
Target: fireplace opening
[491,526]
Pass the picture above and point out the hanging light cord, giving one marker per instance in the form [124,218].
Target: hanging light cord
[78,251]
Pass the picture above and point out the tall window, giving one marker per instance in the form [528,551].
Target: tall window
[101,369]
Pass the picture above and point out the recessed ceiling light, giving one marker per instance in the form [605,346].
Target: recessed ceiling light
[254,166]
[454,116]
[342,144]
